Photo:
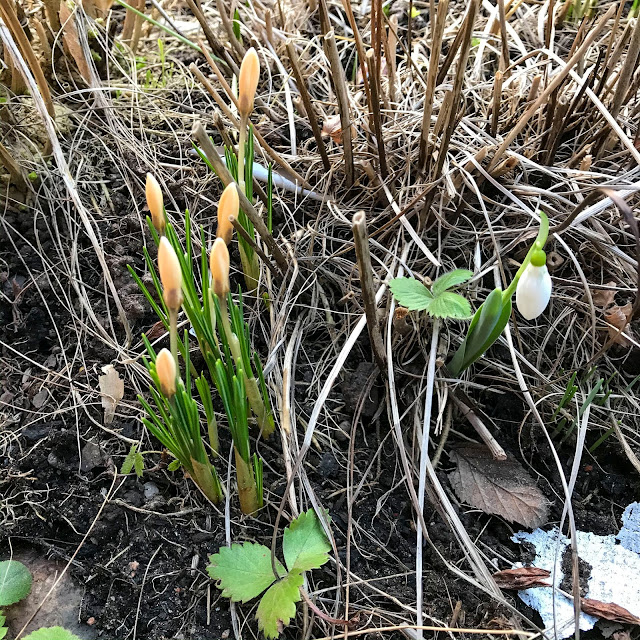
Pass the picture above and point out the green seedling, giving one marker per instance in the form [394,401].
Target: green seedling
[133,462]
[244,571]
[438,301]
[15,585]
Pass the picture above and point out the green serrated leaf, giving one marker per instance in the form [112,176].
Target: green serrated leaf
[243,571]
[138,464]
[410,293]
[52,633]
[127,465]
[305,545]
[15,582]
[450,305]
[449,280]
[278,605]
[174,465]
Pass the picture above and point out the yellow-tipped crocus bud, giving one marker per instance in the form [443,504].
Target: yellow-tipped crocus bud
[227,207]
[155,203]
[167,373]
[219,265]
[248,81]
[170,275]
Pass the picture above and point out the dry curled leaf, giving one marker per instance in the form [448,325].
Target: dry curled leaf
[619,317]
[112,390]
[71,39]
[499,487]
[332,128]
[608,611]
[604,297]
[521,578]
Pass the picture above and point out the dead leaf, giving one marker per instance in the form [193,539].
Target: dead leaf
[619,317]
[112,390]
[608,611]
[499,487]
[522,578]
[604,297]
[40,398]
[332,128]
[72,41]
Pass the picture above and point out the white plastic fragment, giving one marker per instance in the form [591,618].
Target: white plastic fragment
[629,535]
[614,573]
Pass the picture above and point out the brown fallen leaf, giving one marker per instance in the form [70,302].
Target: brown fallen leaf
[112,390]
[608,611]
[522,578]
[604,297]
[499,487]
[619,317]
[71,39]
[332,128]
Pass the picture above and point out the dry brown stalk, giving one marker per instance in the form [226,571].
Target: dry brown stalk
[628,68]
[214,43]
[212,155]
[375,113]
[228,27]
[360,235]
[342,93]
[432,74]
[308,106]
[7,10]
[553,85]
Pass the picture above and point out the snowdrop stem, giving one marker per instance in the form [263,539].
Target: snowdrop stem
[538,245]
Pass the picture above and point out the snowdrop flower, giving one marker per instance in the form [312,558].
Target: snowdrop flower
[534,287]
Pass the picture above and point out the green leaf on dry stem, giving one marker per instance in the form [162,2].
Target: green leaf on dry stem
[411,294]
[243,571]
[15,582]
[52,633]
[449,280]
[450,305]
[305,545]
[278,605]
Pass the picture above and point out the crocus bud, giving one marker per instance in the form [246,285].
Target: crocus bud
[155,203]
[228,206]
[248,81]
[167,373]
[170,274]
[534,287]
[219,265]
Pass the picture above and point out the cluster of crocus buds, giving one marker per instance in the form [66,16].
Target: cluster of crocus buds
[170,275]
[155,202]
[533,292]
[248,82]
[228,208]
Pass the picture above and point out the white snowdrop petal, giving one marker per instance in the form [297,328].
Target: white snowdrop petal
[533,291]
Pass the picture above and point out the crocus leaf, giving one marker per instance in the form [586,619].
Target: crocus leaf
[450,305]
[15,582]
[243,571]
[448,280]
[410,293]
[278,605]
[305,545]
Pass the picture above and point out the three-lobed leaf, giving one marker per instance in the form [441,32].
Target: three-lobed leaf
[305,545]
[448,280]
[450,305]
[278,605]
[410,293]
[15,582]
[243,571]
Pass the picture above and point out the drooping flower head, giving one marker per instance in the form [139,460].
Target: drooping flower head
[533,292]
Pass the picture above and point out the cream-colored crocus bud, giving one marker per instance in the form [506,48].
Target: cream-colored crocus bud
[170,275]
[228,206]
[219,265]
[155,203]
[248,81]
[167,373]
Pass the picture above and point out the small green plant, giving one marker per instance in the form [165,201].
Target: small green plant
[438,301]
[133,462]
[15,585]
[244,571]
